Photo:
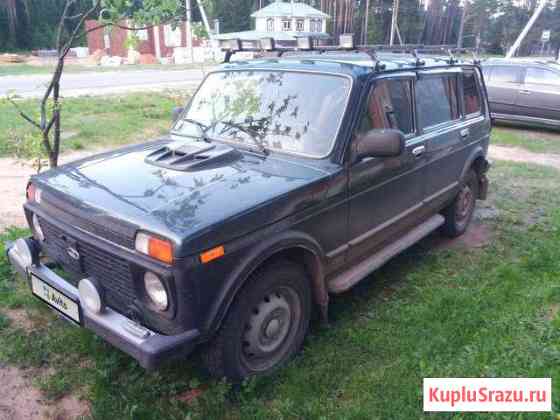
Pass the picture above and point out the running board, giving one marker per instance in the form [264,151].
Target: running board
[349,278]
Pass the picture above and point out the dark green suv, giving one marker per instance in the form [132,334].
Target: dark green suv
[283,181]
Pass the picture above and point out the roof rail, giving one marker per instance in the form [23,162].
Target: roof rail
[346,43]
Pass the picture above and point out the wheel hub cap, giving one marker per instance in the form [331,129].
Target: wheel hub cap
[268,326]
[465,202]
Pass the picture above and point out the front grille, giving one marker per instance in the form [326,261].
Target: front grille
[114,230]
[112,272]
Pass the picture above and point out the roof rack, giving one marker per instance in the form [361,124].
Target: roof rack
[346,44]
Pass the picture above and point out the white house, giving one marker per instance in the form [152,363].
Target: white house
[283,16]
[284,21]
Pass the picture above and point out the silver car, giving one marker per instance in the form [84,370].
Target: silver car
[524,92]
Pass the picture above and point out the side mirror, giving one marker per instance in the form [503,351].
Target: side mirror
[177,111]
[380,143]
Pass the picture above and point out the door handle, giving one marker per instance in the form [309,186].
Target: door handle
[418,151]
[464,132]
[525,92]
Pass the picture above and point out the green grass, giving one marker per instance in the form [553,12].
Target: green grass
[429,313]
[28,69]
[534,140]
[89,122]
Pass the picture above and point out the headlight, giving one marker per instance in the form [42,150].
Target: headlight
[33,194]
[156,291]
[90,297]
[38,232]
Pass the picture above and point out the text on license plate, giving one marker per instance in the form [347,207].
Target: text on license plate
[56,299]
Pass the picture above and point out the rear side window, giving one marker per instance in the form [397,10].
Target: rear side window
[471,98]
[504,74]
[389,105]
[436,100]
[539,76]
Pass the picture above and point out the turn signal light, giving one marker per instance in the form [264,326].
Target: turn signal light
[155,247]
[212,254]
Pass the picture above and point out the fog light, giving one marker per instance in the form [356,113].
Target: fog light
[156,291]
[90,296]
[24,252]
[38,232]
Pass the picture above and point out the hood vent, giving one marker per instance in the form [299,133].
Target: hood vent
[191,156]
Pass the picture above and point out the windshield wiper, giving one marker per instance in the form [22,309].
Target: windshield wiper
[253,134]
[202,128]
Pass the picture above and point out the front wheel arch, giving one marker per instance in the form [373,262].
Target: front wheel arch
[295,246]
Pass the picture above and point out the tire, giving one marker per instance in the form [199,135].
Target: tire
[265,325]
[458,215]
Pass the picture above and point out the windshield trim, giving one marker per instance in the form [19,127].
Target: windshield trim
[287,70]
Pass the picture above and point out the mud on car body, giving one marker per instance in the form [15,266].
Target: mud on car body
[283,181]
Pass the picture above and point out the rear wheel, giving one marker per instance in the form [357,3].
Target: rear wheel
[459,213]
[265,325]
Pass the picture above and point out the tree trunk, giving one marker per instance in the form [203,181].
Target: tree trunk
[462,25]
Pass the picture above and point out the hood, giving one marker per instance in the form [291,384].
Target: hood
[209,196]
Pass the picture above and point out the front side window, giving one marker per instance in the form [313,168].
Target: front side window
[540,76]
[284,111]
[389,106]
[436,100]
[471,98]
[504,74]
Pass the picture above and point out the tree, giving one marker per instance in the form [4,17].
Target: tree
[70,30]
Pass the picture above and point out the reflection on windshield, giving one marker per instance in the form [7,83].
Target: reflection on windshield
[285,111]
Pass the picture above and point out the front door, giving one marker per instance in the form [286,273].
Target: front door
[385,193]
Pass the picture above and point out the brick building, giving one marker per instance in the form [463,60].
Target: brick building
[160,40]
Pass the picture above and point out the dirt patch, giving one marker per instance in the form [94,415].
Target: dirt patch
[477,236]
[553,311]
[19,318]
[14,175]
[19,400]
[516,154]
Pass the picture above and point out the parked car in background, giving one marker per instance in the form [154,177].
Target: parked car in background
[282,181]
[524,92]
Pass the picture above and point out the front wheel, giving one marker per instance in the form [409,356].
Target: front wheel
[459,213]
[265,325]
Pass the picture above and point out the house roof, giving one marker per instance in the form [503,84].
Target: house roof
[292,9]
[278,36]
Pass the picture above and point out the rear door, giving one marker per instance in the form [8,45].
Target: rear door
[503,84]
[386,193]
[539,96]
[439,120]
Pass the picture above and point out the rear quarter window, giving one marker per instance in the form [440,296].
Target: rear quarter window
[471,93]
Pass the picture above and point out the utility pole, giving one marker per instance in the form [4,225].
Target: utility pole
[204,18]
[394,22]
[189,29]
[526,29]
[365,32]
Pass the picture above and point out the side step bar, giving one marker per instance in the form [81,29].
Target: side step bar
[349,278]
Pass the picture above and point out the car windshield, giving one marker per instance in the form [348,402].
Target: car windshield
[286,111]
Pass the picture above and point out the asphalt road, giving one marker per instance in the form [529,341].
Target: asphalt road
[102,83]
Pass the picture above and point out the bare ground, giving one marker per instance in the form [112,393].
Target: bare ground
[19,400]
[517,154]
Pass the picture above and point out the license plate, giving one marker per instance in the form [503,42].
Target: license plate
[55,298]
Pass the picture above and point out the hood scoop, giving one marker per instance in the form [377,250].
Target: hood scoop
[192,156]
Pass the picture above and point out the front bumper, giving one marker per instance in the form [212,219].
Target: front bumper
[149,348]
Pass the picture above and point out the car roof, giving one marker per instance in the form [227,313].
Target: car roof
[347,63]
